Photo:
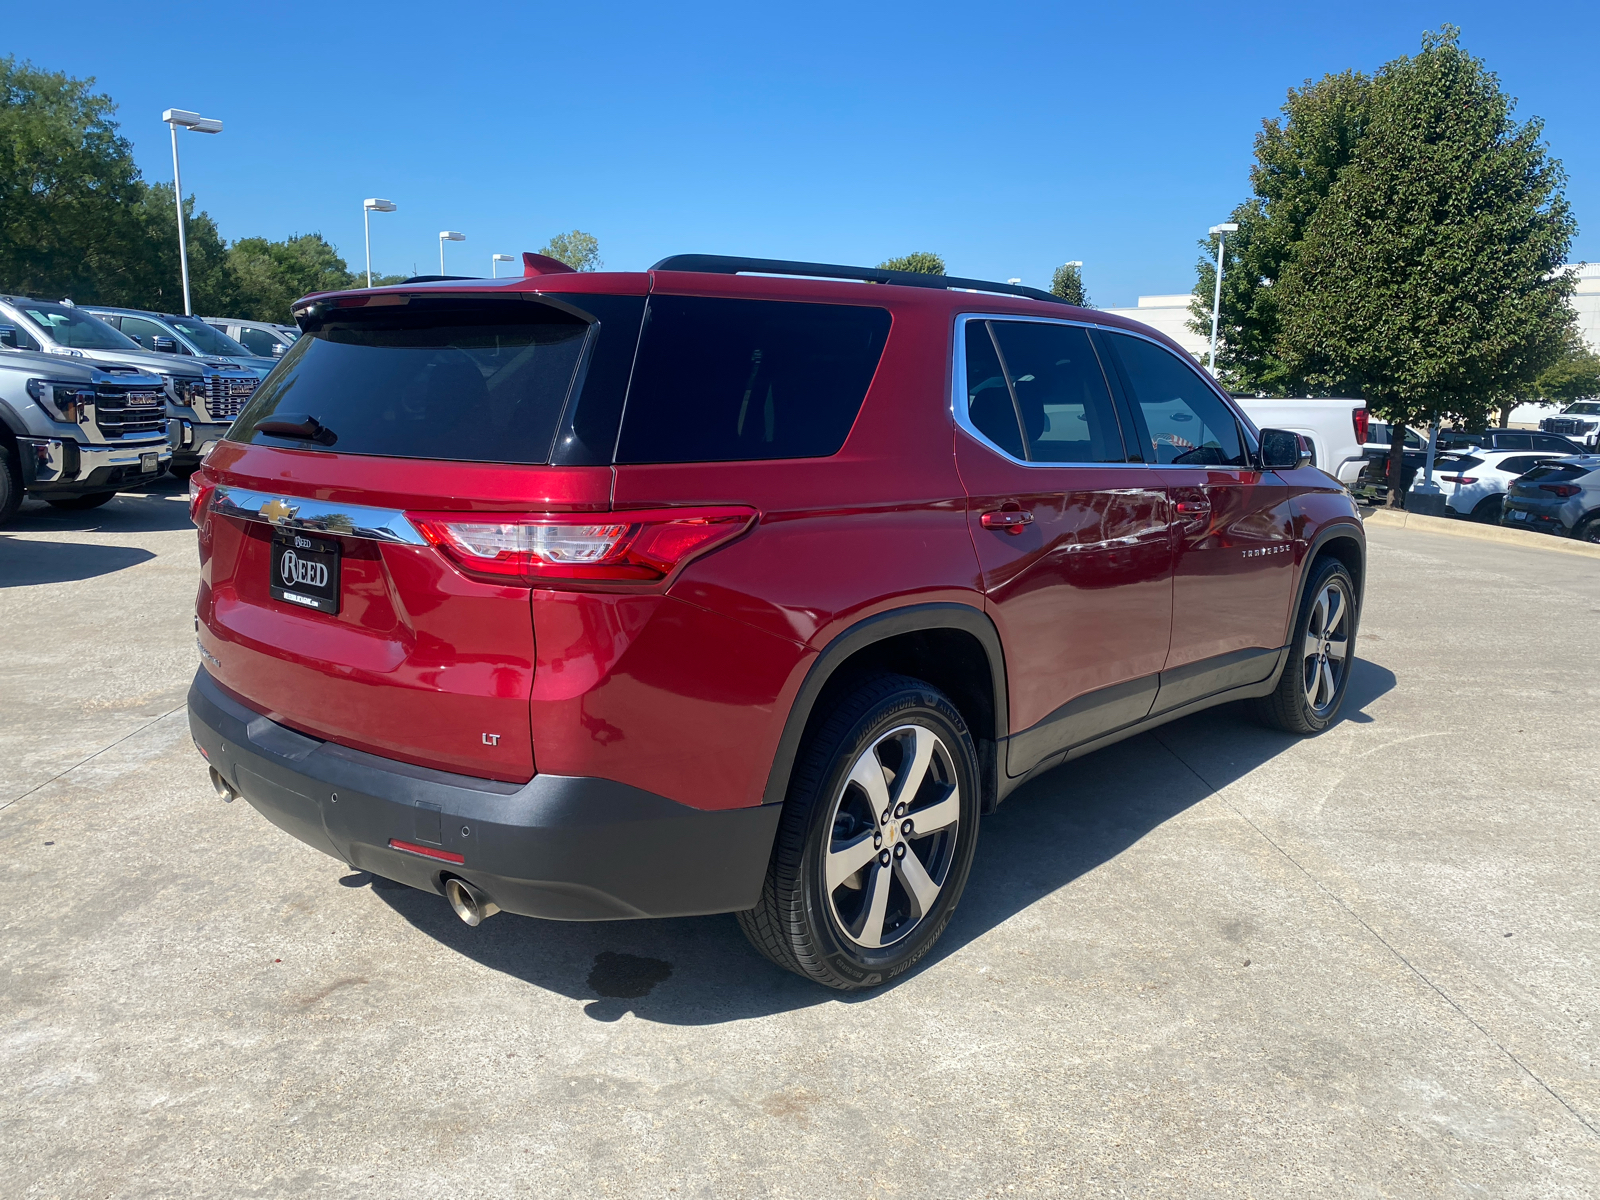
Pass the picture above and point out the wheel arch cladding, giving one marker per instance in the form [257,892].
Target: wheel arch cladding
[1341,543]
[953,647]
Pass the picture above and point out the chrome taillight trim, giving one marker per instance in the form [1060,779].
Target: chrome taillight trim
[316,516]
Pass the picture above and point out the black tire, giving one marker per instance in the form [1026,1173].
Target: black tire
[1488,509]
[1291,707]
[1588,529]
[10,482]
[80,503]
[824,933]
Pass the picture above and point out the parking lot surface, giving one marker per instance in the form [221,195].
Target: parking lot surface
[1213,960]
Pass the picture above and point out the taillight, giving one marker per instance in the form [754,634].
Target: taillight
[1358,418]
[1459,478]
[200,491]
[1560,489]
[611,547]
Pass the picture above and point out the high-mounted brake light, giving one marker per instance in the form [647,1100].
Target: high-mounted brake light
[637,546]
[1358,418]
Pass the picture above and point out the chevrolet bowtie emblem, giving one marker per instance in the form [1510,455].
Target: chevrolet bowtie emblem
[278,511]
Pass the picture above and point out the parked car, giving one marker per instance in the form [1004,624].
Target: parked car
[262,338]
[1506,439]
[1580,422]
[168,333]
[1336,429]
[72,432]
[697,590]
[1558,497]
[203,394]
[1475,484]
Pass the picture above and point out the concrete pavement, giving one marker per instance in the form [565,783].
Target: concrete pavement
[1214,960]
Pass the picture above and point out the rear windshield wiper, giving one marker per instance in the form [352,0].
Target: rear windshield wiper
[306,429]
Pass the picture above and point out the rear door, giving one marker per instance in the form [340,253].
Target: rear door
[1071,536]
[1232,525]
[321,603]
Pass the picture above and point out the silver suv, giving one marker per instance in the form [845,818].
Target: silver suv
[1561,497]
[73,432]
[264,338]
[204,394]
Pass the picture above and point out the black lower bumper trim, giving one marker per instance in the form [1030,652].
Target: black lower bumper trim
[567,848]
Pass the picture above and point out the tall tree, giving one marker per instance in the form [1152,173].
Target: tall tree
[155,276]
[271,276]
[919,262]
[1575,375]
[68,189]
[1068,284]
[579,250]
[1297,161]
[1427,279]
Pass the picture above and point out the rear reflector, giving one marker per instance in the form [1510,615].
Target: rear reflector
[427,851]
[614,547]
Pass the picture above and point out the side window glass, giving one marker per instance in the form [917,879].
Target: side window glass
[142,331]
[20,338]
[1187,424]
[989,406]
[1061,392]
[1519,465]
[258,341]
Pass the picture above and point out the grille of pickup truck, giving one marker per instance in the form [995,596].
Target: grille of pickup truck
[120,411]
[225,397]
[1564,425]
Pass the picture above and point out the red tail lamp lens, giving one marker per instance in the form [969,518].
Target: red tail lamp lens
[1560,489]
[200,492]
[614,547]
[1459,478]
[1359,418]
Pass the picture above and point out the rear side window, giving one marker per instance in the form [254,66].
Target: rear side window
[719,380]
[1547,442]
[469,381]
[1056,389]
[1518,465]
[1187,424]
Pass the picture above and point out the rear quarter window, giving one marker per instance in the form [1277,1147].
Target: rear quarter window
[724,380]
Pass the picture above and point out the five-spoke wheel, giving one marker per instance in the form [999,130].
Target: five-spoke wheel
[1322,644]
[1326,648]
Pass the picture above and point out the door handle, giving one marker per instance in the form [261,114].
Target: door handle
[1194,508]
[1010,519]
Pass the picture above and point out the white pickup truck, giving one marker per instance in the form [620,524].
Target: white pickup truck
[1336,429]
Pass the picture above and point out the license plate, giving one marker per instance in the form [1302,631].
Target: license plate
[305,571]
[1519,515]
[149,463]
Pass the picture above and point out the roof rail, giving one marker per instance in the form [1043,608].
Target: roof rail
[724,264]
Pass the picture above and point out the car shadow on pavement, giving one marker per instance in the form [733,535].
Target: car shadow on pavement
[155,508]
[701,971]
[24,562]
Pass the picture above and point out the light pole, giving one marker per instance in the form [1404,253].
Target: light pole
[448,235]
[1221,233]
[175,117]
[494,264]
[368,207]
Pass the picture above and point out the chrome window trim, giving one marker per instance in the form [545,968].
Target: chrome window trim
[958,388]
[316,516]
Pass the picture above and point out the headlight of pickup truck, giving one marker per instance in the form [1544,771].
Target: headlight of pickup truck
[63,400]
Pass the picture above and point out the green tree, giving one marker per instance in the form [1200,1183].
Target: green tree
[154,278]
[579,250]
[1068,284]
[1297,161]
[68,190]
[1427,279]
[271,276]
[1575,375]
[920,262]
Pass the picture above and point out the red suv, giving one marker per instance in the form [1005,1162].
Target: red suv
[735,586]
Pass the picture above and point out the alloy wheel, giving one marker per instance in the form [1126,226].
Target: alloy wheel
[893,836]
[1325,651]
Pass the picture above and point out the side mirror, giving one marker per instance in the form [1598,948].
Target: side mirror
[139,341]
[163,345]
[1283,451]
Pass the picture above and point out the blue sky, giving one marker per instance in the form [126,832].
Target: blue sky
[1007,137]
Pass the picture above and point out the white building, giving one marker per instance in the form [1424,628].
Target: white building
[1586,302]
[1170,315]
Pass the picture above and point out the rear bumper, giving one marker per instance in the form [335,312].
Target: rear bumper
[561,847]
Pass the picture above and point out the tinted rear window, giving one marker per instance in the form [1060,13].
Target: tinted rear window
[471,381]
[721,380]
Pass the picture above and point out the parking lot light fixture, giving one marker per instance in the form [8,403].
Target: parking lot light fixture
[494,264]
[368,207]
[176,117]
[448,235]
[1220,232]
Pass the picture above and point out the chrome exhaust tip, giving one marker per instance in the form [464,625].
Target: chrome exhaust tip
[223,787]
[471,905]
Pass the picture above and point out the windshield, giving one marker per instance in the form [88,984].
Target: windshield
[74,329]
[1586,409]
[206,339]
